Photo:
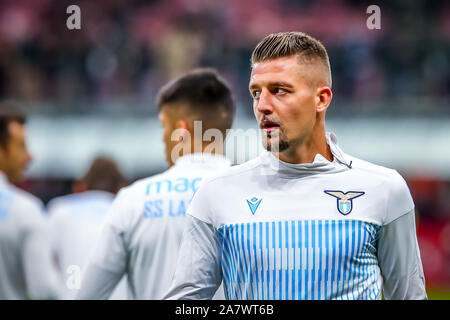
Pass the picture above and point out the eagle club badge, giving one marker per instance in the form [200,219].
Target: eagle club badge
[344,199]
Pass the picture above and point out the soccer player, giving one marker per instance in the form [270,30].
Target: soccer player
[26,263]
[142,235]
[76,221]
[303,220]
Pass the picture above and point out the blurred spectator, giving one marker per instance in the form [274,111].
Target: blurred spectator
[126,49]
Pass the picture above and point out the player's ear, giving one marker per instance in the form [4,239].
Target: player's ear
[184,129]
[79,186]
[323,98]
[181,124]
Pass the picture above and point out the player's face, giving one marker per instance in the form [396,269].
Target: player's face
[283,102]
[15,156]
[168,127]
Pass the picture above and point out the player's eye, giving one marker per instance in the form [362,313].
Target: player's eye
[255,94]
[280,91]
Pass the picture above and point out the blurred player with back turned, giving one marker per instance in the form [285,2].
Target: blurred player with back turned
[303,220]
[144,227]
[76,220]
[27,269]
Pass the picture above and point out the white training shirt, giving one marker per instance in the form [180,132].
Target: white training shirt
[143,231]
[324,230]
[27,270]
[76,221]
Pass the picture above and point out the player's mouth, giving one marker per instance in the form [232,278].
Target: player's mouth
[269,126]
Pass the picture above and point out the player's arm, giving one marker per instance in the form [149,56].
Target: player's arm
[197,274]
[108,260]
[98,283]
[42,277]
[399,258]
[398,250]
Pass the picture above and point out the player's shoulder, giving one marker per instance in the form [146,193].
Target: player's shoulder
[233,173]
[83,201]
[62,201]
[138,188]
[398,198]
[129,202]
[57,205]
[25,200]
[394,185]
[134,193]
[172,176]
[27,210]
[374,171]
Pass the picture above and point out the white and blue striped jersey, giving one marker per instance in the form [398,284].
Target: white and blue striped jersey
[324,230]
[142,233]
[76,220]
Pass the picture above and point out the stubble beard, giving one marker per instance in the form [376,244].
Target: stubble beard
[277,142]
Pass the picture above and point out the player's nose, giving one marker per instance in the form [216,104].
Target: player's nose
[264,104]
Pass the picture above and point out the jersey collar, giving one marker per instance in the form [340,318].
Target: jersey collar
[338,154]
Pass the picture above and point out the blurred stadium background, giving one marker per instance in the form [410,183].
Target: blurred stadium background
[91,92]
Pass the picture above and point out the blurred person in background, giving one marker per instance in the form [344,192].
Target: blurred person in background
[76,222]
[27,269]
[144,227]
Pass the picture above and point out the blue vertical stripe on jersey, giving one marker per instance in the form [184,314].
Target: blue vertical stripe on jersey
[340,260]
[313,246]
[350,273]
[293,260]
[333,258]
[307,259]
[319,271]
[274,270]
[363,244]
[244,270]
[226,260]
[280,271]
[357,268]
[261,258]
[327,250]
[238,261]
[286,246]
[233,264]
[348,255]
[249,238]
[267,256]
[256,261]
[300,240]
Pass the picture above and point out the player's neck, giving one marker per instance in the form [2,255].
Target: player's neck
[214,148]
[202,147]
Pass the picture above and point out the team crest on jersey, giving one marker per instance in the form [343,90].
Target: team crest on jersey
[253,204]
[344,199]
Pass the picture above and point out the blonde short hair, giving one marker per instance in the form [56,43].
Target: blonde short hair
[285,44]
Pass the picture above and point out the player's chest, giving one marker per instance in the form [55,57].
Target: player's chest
[326,201]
